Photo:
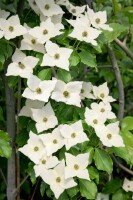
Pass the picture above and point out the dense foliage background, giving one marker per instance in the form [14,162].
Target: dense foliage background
[111,61]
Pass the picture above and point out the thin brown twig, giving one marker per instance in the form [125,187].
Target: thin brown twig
[23,181]
[32,198]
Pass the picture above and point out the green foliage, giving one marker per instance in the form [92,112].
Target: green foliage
[88,189]
[88,59]
[45,74]
[5,148]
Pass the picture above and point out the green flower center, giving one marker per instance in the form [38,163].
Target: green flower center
[45,119]
[95,121]
[57,56]
[55,141]
[45,32]
[33,41]
[73,10]
[85,34]
[11,29]
[102,110]
[58,179]
[76,167]
[109,136]
[36,148]
[43,162]
[102,95]
[82,91]
[97,20]
[73,135]
[21,65]
[66,93]
[47,7]
[38,90]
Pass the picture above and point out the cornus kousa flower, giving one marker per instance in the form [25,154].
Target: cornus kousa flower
[102,92]
[4,14]
[101,196]
[80,19]
[68,93]
[76,166]
[45,31]
[26,110]
[45,163]
[11,27]
[56,56]
[94,118]
[34,149]
[22,65]
[104,109]
[45,118]
[34,6]
[73,134]
[86,91]
[30,43]
[56,179]
[127,185]
[109,135]
[38,90]
[52,141]
[76,10]
[98,19]
[49,8]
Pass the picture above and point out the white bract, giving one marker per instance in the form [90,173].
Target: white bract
[45,118]
[62,2]
[55,178]
[76,166]
[34,6]
[4,14]
[39,90]
[56,19]
[86,91]
[101,196]
[49,8]
[45,31]
[22,65]
[52,141]
[68,93]
[11,27]
[127,185]
[73,134]
[26,110]
[34,149]
[76,10]
[94,118]
[56,56]
[102,92]
[45,163]
[109,135]
[80,20]
[98,19]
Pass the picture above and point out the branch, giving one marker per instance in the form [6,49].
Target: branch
[119,83]
[123,46]
[3,176]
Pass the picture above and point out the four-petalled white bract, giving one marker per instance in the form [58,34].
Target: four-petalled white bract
[76,10]
[127,185]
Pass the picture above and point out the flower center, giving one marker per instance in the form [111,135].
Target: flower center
[47,7]
[73,135]
[82,91]
[85,34]
[73,10]
[38,90]
[102,95]
[57,56]
[95,121]
[45,32]
[11,29]
[45,119]
[97,20]
[34,3]
[109,136]
[76,167]
[33,41]
[102,110]
[66,93]
[36,148]
[55,141]
[21,65]
[58,179]
[43,162]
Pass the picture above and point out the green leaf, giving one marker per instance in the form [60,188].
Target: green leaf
[5,148]
[74,59]
[103,161]
[12,81]
[112,186]
[127,123]
[90,150]
[64,75]
[88,59]
[45,74]
[88,189]
[43,187]
[63,196]
[31,173]
[119,195]
[93,173]
[1,115]
[72,191]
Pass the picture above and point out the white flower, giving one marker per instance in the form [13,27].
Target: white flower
[45,118]
[26,110]
[109,135]
[68,93]
[49,8]
[101,196]
[56,56]
[98,19]
[34,6]
[94,118]
[30,43]
[56,19]
[104,109]
[85,33]
[102,92]
[12,27]
[45,163]
[55,178]
[73,134]
[127,185]
[38,90]
[34,149]
[86,91]
[76,10]
[62,2]
[76,166]
[4,14]
[45,31]
[22,65]
[80,20]
[52,141]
